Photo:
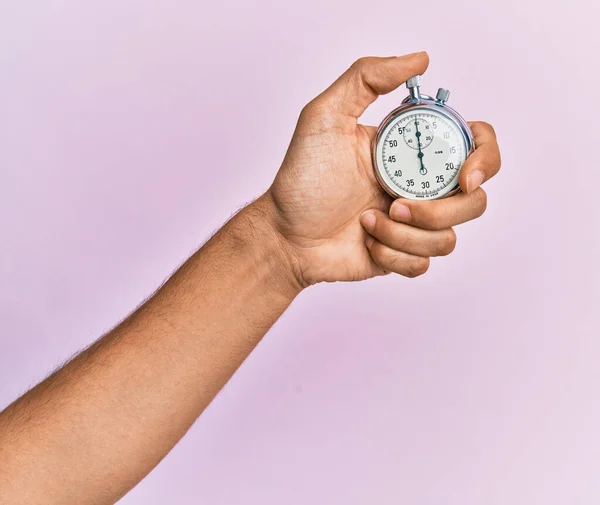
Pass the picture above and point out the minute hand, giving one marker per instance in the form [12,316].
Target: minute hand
[420,155]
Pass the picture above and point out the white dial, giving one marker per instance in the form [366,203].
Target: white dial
[420,153]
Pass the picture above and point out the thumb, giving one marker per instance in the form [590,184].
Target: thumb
[366,79]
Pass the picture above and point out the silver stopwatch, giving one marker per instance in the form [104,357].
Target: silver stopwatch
[421,146]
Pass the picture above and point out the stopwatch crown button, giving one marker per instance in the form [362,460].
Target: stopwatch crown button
[414,82]
[442,95]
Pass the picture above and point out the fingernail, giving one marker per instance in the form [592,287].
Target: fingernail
[399,212]
[474,180]
[368,220]
[369,241]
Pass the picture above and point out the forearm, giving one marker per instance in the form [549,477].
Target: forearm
[83,435]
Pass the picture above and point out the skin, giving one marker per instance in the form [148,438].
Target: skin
[95,428]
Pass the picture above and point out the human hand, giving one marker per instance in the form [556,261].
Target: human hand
[326,198]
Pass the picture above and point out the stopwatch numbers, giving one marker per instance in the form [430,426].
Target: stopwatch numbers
[419,154]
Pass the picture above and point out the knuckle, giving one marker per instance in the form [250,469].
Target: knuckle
[498,160]
[307,111]
[311,108]
[447,242]
[434,219]
[379,256]
[417,267]
[363,71]
[392,261]
[361,63]
[402,240]
[487,127]
[388,259]
[480,201]
[315,117]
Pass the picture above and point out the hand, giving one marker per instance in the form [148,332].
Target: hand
[326,183]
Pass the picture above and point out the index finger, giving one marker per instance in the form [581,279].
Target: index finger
[485,162]
[366,79]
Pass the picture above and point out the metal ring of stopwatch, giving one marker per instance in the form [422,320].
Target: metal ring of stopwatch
[425,103]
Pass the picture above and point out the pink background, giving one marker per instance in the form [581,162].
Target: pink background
[475,384]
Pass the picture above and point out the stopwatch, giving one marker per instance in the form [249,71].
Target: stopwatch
[421,146]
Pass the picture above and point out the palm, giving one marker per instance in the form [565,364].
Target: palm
[325,183]
[327,180]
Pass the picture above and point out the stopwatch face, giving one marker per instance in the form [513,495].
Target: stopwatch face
[419,154]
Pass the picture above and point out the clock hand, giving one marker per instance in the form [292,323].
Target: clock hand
[420,155]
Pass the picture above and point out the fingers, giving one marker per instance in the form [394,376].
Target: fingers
[416,230]
[398,262]
[401,248]
[440,214]
[406,238]
[484,163]
[368,78]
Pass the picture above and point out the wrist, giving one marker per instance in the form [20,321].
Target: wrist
[256,228]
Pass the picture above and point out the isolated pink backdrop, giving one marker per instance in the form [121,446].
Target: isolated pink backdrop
[130,130]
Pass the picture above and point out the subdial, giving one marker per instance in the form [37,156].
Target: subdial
[418,133]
